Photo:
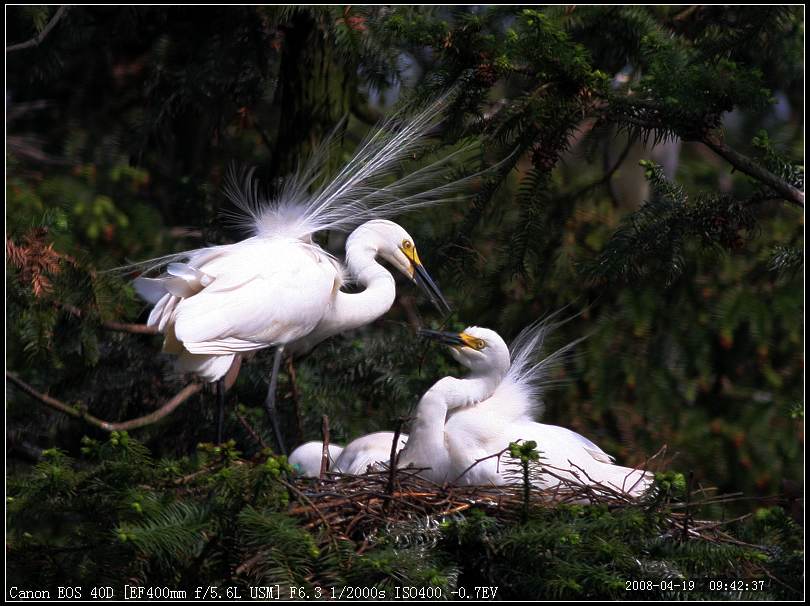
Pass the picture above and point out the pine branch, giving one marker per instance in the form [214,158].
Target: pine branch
[37,40]
[77,413]
[752,169]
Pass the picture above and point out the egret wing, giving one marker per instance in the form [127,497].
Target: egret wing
[259,296]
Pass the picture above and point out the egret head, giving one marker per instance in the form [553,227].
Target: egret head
[395,245]
[480,349]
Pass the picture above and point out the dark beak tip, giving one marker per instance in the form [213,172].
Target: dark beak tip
[426,283]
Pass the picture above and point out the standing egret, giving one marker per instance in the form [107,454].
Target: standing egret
[306,459]
[459,422]
[278,288]
[368,452]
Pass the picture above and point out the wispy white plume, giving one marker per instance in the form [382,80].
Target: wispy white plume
[370,186]
[531,368]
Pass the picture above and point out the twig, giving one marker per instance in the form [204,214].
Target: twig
[606,177]
[243,421]
[78,413]
[37,40]
[392,467]
[314,508]
[249,563]
[325,448]
[746,165]
[140,329]
[477,461]
[685,534]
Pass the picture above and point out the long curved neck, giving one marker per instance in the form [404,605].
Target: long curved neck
[426,446]
[471,389]
[352,310]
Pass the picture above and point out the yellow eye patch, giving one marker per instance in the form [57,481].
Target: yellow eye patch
[474,342]
[409,250]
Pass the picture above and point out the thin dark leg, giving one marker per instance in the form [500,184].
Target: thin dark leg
[270,401]
[220,408]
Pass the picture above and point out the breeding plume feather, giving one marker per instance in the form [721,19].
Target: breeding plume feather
[372,185]
[531,368]
[278,288]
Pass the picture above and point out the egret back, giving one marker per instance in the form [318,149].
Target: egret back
[564,452]
[368,451]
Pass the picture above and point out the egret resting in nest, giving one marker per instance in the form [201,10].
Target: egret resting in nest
[368,452]
[306,459]
[278,288]
[460,421]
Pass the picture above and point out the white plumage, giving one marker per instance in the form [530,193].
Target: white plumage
[368,452]
[460,421]
[279,288]
[239,298]
[306,459]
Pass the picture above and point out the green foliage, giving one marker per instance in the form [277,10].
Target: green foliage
[118,516]
[652,241]
[590,551]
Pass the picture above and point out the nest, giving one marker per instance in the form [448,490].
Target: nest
[359,508]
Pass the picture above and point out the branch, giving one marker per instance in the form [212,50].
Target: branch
[37,40]
[481,460]
[251,431]
[325,446]
[139,329]
[752,169]
[77,413]
[392,467]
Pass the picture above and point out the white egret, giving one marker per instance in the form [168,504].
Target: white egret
[368,452]
[459,422]
[306,459]
[278,288]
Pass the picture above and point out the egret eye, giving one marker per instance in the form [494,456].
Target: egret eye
[406,244]
[473,342]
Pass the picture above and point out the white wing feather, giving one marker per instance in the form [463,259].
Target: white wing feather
[262,294]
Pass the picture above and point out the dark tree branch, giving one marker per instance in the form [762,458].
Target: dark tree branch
[140,329]
[256,437]
[325,447]
[37,40]
[392,467]
[77,413]
[746,165]
[714,141]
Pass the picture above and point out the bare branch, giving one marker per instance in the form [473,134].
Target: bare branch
[392,467]
[746,165]
[138,329]
[78,413]
[250,430]
[481,460]
[325,447]
[37,40]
